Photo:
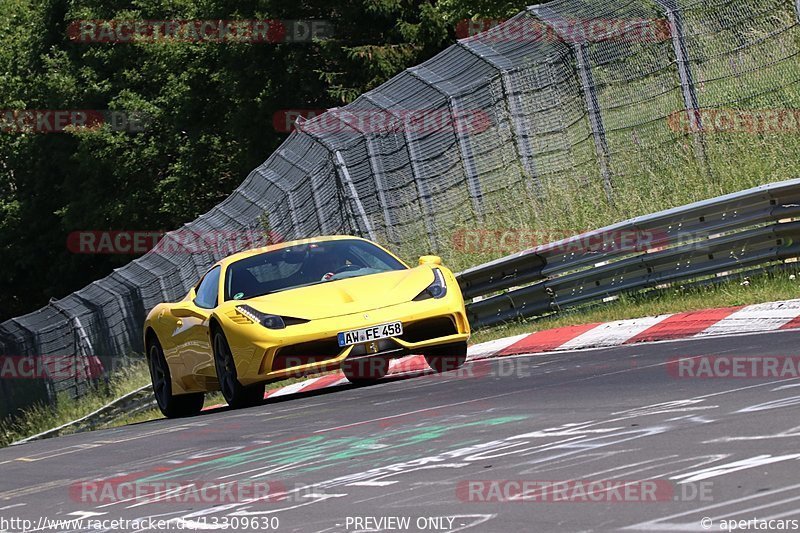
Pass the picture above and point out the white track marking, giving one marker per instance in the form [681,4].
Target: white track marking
[663,524]
[759,317]
[294,387]
[612,333]
[736,466]
[486,349]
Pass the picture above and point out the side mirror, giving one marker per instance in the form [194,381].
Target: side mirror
[430,260]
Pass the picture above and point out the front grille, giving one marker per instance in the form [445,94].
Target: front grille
[429,329]
[306,353]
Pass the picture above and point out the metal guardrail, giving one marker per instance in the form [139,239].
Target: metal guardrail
[709,238]
[134,402]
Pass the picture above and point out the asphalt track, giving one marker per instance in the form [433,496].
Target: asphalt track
[416,448]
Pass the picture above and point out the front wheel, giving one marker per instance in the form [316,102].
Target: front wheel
[446,358]
[171,406]
[236,394]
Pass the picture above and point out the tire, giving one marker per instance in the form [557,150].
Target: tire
[365,371]
[171,406]
[446,358]
[237,395]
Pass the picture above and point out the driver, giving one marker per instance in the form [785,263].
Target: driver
[321,265]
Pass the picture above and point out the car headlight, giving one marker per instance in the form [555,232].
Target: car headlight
[437,289]
[266,320]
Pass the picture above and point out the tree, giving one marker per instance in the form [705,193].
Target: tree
[209,109]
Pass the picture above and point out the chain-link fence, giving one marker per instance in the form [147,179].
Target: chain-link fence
[586,88]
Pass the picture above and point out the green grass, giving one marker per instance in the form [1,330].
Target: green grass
[38,418]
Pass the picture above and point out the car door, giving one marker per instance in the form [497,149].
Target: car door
[192,331]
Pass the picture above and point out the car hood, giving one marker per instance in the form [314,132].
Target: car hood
[346,296]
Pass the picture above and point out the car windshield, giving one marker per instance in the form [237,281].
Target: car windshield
[303,265]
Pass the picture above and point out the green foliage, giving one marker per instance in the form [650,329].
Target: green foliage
[210,107]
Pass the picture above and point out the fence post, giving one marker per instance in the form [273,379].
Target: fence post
[465,150]
[289,199]
[321,219]
[595,116]
[515,108]
[468,162]
[580,49]
[422,188]
[105,354]
[71,321]
[376,167]
[344,174]
[517,111]
[688,89]
[339,162]
[32,346]
[382,188]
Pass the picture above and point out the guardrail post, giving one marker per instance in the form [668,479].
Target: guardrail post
[422,189]
[688,89]
[595,116]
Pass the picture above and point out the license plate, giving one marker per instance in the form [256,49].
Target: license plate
[358,336]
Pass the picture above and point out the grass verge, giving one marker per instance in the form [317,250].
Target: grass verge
[38,418]
[767,287]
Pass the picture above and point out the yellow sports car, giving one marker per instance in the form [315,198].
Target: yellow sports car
[299,308]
